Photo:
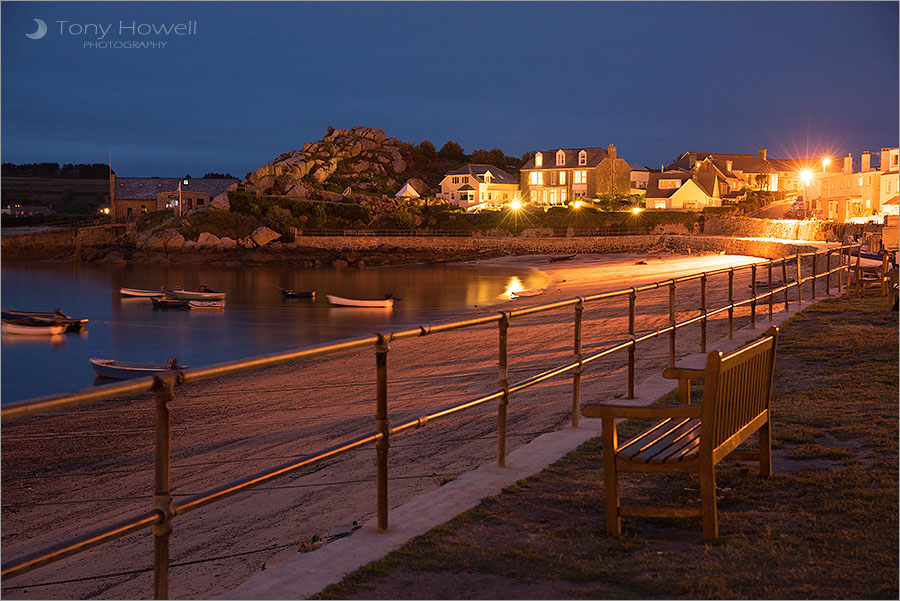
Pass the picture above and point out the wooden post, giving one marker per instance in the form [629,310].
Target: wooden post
[703,311]
[787,288]
[632,298]
[382,424]
[799,279]
[753,297]
[503,401]
[828,272]
[576,375]
[672,323]
[815,260]
[771,294]
[731,303]
[162,496]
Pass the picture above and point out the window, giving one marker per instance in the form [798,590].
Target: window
[186,182]
[538,160]
[860,180]
[535,196]
[505,196]
[894,160]
[553,178]
[536,178]
[489,195]
[562,178]
[199,202]
[669,184]
[560,158]
[143,209]
[582,158]
[482,196]
[562,195]
[580,177]
[553,197]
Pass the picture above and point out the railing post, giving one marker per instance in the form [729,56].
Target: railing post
[771,294]
[753,297]
[828,271]
[503,401]
[672,323]
[703,312]
[784,282]
[730,303]
[382,424]
[815,260]
[799,279]
[162,495]
[632,299]
[576,375]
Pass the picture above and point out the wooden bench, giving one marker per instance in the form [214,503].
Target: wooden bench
[693,438]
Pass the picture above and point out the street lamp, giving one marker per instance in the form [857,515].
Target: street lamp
[806,176]
[825,162]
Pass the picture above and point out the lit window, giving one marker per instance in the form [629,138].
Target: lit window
[582,158]
[669,184]
[553,197]
[860,181]
[560,158]
[535,196]
[580,177]
[186,182]
[562,178]
[538,160]
[562,195]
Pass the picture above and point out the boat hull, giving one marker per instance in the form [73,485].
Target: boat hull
[163,303]
[72,324]
[338,301]
[21,327]
[207,305]
[121,370]
[208,295]
[297,294]
[138,293]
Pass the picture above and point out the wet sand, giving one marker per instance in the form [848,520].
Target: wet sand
[66,472]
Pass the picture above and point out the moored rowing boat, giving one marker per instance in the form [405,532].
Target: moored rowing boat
[138,293]
[352,302]
[124,370]
[27,327]
[202,293]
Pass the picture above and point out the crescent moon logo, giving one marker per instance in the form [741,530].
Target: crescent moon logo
[41,30]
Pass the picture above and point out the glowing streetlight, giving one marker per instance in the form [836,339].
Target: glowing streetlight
[636,210]
[806,176]
[516,205]
[577,204]
[825,162]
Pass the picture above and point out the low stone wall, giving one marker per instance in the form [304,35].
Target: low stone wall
[609,244]
[56,243]
[786,229]
[767,249]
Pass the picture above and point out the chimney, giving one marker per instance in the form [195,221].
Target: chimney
[728,165]
[762,153]
[866,161]
[848,164]
[611,151]
[885,159]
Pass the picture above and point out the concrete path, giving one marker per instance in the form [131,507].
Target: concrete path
[306,574]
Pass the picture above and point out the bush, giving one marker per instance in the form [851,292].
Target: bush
[219,223]
[152,220]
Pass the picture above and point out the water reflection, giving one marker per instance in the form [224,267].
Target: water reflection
[256,319]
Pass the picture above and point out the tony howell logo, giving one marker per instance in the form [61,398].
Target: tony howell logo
[121,34]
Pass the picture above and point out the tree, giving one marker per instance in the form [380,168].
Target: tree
[453,151]
[426,149]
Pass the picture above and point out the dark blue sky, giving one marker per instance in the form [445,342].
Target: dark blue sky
[258,79]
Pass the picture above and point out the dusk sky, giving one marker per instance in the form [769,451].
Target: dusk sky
[248,81]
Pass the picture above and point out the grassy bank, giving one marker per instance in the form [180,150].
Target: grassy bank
[825,526]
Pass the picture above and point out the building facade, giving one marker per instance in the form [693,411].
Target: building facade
[755,171]
[685,190]
[475,187]
[555,177]
[131,197]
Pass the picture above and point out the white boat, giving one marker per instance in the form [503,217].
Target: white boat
[194,304]
[532,292]
[202,293]
[123,370]
[138,293]
[24,327]
[352,302]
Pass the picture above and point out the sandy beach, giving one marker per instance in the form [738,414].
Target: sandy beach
[66,472]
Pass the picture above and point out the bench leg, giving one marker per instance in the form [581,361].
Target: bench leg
[684,391]
[611,479]
[765,450]
[708,501]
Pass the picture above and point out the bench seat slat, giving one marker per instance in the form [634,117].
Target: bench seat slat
[677,440]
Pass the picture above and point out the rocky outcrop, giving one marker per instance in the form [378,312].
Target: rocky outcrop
[263,235]
[359,155]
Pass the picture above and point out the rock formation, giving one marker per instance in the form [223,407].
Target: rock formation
[361,157]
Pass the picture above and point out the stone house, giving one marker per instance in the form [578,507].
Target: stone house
[554,177]
[755,171]
[640,175]
[131,197]
[473,187]
[845,194]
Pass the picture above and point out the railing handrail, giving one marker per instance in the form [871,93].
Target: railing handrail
[161,517]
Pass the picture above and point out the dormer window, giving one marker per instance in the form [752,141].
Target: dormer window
[538,160]
[186,182]
[560,158]
[487,177]
[582,157]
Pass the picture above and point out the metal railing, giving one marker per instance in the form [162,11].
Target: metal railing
[164,510]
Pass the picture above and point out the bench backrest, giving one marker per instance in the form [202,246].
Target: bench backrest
[736,394]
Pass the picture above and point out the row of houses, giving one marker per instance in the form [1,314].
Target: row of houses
[694,181]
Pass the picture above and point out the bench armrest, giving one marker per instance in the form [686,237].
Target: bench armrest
[608,410]
[683,373]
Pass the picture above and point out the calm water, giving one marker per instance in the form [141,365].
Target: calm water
[256,320]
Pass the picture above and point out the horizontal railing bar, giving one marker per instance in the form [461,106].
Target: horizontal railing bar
[418,422]
[607,351]
[236,486]
[26,563]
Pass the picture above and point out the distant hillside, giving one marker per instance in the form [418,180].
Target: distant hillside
[368,162]
[65,195]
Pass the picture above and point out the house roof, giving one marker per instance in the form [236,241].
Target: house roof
[747,163]
[465,187]
[594,157]
[653,189]
[146,188]
[797,165]
[408,190]
[499,176]
[637,166]
[892,201]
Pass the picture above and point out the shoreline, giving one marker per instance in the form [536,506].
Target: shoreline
[236,425]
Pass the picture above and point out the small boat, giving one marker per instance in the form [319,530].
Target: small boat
[532,292]
[775,283]
[138,293]
[338,301]
[562,258]
[57,317]
[168,303]
[29,327]
[123,370]
[206,304]
[202,293]
[288,293]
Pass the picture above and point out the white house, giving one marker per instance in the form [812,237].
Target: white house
[478,186]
